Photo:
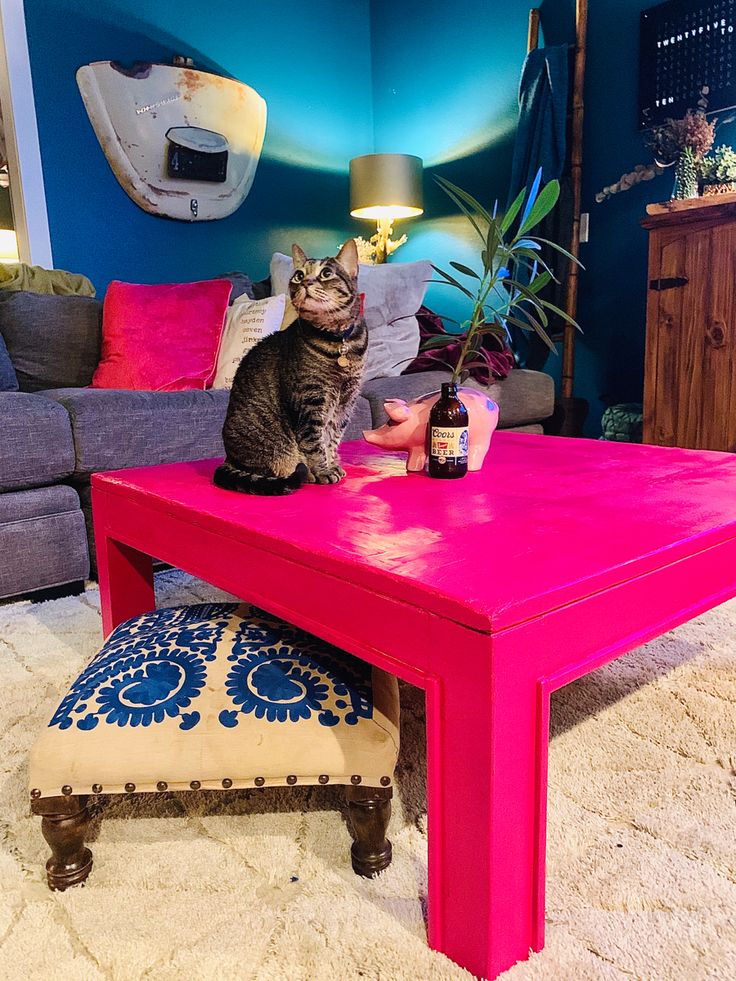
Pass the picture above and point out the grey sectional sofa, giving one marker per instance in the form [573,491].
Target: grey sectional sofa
[53,439]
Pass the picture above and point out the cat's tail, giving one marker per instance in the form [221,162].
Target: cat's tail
[233,478]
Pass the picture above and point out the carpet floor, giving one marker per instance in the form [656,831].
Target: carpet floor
[258,885]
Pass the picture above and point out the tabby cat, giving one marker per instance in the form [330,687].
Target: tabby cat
[293,392]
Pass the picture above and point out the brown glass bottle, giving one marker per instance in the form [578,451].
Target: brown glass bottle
[448,435]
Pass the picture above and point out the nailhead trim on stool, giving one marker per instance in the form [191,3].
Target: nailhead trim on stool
[226,784]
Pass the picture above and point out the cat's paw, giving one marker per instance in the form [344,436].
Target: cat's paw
[330,475]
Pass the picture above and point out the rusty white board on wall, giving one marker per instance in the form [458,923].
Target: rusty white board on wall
[182,143]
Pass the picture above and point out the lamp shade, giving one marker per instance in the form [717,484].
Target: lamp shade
[8,245]
[386,185]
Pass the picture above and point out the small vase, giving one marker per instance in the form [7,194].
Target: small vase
[686,177]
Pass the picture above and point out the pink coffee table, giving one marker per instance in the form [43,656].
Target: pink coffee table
[489,593]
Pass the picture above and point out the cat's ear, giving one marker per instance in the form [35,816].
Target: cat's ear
[298,255]
[348,258]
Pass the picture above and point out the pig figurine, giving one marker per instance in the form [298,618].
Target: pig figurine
[407,424]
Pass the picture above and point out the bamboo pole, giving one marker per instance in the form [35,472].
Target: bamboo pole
[532,42]
[576,174]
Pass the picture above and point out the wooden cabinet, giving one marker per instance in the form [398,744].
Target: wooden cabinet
[690,365]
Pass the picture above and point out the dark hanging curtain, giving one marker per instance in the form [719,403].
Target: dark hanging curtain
[541,141]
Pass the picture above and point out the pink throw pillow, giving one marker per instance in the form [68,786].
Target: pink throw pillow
[161,338]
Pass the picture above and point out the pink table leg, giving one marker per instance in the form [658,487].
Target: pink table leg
[485,866]
[125,574]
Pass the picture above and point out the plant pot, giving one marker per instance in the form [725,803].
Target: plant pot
[725,187]
[686,177]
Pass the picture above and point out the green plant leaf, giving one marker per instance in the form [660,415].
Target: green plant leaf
[465,270]
[469,200]
[532,259]
[537,328]
[527,294]
[496,329]
[513,210]
[562,313]
[540,281]
[558,248]
[449,190]
[542,206]
[440,340]
[436,360]
[453,282]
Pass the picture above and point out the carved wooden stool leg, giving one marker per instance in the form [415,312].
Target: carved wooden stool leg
[65,821]
[370,810]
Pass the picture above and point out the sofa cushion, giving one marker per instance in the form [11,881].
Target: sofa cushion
[35,441]
[247,322]
[53,341]
[114,429]
[360,420]
[8,377]
[524,397]
[242,285]
[161,337]
[43,530]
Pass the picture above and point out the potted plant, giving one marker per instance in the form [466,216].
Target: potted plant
[718,171]
[679,143]
[504,289]
[507,285]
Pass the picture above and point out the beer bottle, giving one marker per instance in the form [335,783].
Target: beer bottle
[448,435]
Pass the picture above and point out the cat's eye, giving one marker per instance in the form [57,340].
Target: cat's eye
[298,276]
[326,274]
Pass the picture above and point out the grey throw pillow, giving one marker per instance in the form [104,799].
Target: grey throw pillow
[8,379]
[53,341]
[393,294]
[242,285]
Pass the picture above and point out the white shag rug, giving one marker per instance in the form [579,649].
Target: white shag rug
[258,885]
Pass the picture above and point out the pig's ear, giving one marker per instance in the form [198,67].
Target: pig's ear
[396,409]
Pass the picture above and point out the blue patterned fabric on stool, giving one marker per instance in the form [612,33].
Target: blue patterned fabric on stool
[211,693]
[209,697]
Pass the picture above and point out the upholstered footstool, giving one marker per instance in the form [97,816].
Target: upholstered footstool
[214,697]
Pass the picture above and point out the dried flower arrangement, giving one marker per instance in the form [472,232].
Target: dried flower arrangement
[680,142]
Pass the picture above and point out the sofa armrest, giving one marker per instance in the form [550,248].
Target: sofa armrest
[35,441]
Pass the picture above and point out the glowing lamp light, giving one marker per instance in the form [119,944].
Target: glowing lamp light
[8,245]
[385,187]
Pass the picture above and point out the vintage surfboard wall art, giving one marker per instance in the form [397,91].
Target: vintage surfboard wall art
[182,143]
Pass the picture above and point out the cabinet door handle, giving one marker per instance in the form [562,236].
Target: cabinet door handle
[668,284]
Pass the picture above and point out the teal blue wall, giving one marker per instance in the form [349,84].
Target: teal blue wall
[445,82]
[313,72]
